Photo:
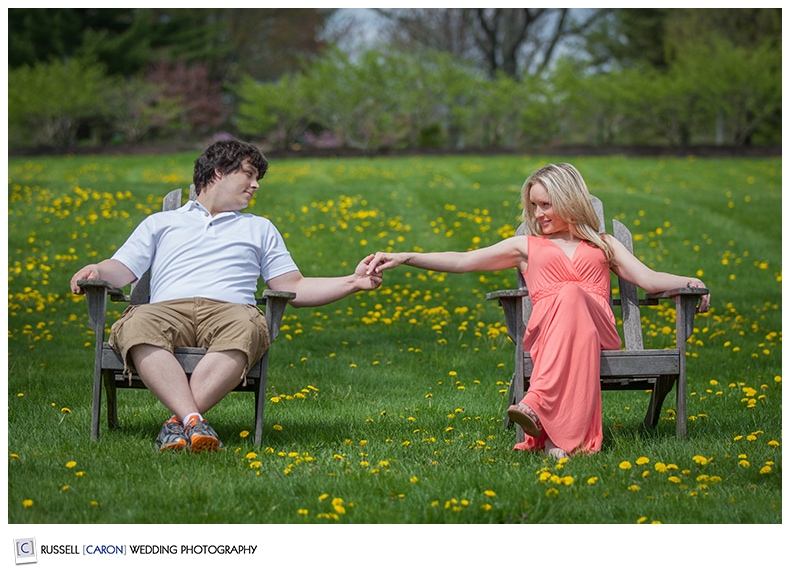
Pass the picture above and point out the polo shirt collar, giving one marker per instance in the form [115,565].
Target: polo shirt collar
[193,204]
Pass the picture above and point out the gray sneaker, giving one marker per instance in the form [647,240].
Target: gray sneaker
[201,436]
[172,436]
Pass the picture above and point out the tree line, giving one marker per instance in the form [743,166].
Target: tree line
[433,78]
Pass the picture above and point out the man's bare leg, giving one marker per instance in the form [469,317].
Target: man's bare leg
[215,376]
[217,373]
[163,375]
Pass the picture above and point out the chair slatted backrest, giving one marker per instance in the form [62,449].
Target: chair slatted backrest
[629,296]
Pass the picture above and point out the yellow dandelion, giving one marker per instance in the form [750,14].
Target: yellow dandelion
[642,460]
[244,434]
[489,493]
[71,464]
[27,503]
[592,480]
[625,465]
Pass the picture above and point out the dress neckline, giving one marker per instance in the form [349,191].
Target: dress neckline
[570,257]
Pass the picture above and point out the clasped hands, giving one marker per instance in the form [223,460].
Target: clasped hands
[369,272]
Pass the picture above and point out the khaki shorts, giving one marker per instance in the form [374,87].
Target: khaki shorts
[194,322]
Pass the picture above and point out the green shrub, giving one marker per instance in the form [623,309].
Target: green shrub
[48,102]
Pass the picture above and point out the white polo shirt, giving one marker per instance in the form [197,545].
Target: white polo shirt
[192,254]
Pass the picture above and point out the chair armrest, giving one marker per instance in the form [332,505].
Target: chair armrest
[685,305]
[275,302]
[513,303]
[695,291]
[94,285]
[287,295]
[508,294]
[96,291]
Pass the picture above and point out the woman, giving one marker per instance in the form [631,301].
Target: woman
[566,264]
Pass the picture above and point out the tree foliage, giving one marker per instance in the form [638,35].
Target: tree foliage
[449,78]
[515,41]
[48,102]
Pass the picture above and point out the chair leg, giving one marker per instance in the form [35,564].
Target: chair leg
[518,388]
[680,406]
[112,399]
[663,385]
[260,400]
[512,399]
[96,407]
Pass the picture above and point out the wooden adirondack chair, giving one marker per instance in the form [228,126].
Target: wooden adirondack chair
[108,365]
[632,368]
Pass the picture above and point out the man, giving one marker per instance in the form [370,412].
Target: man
[205,260]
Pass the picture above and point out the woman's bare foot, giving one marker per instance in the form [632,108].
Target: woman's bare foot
[553,450]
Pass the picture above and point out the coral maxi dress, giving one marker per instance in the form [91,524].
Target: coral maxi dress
[571,323]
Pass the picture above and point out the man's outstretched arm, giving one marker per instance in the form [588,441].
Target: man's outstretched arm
[315,291]
[110,270]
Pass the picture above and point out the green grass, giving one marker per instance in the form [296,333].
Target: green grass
[387,407]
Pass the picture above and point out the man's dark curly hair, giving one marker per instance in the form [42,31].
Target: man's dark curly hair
[226,156]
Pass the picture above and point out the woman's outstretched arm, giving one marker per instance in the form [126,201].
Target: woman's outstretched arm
[506,254]
[634,271]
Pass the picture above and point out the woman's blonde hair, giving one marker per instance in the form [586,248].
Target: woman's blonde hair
[571,202]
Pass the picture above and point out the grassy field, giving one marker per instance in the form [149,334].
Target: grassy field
[387,407]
